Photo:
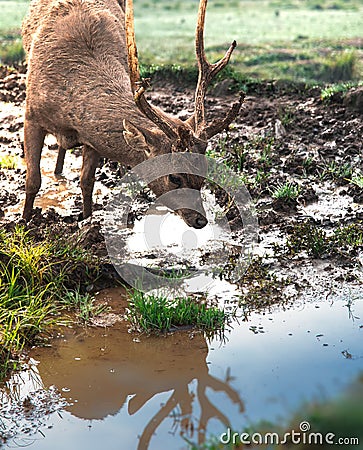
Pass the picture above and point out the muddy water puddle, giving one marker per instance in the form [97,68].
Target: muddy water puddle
[185,260]
[128,392]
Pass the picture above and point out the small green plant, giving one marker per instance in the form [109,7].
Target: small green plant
[307,163]
[220,151]
[349,236]
[83,304]
[151,313]
[221,174]
[358,181]
[238,156]
[309,166]
[263,145]
[337,172]
[265,158]
[7,162]
[309,238]
[232,154]
[328,92]
[286,191]
[261,177]
[286,116]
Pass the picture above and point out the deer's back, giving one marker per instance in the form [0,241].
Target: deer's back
[81,25]
[77,62]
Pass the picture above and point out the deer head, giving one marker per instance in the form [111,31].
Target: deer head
[174,135]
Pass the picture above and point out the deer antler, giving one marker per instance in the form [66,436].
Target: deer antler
[207,72]
[219,125]
[139,85]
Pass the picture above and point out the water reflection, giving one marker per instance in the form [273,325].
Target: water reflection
[99,372]
[152,393]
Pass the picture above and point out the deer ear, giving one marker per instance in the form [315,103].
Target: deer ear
[135,138]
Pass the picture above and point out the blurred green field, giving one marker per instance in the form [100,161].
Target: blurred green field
[292,39]
[11,14]
[249,24]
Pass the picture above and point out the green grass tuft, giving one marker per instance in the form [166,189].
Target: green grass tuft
[84,304]
[35,278]
[358,181]
[338,172]
[287,191]
[151,313]
[8,162]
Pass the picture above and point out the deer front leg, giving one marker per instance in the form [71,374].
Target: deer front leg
[90,162]
[33,143]
[60,160]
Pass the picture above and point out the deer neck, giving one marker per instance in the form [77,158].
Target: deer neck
[101,123]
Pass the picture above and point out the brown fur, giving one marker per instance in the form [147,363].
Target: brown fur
[78,89]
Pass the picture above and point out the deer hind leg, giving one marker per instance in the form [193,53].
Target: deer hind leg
[90,162]
[33,143]
[60,160]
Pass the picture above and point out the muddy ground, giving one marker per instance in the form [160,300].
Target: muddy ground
[285,132]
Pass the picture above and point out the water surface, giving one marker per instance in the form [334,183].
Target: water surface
[137,392]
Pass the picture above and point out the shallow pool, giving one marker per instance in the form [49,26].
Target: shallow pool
[135,392]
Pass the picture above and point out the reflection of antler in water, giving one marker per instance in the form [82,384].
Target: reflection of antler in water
[156,420]
[183,398]
[208,410]
[101,370]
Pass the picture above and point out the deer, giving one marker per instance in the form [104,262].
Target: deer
[84,87]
